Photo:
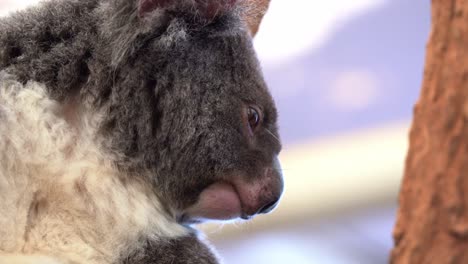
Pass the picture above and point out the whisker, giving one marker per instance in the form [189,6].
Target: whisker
[273,135]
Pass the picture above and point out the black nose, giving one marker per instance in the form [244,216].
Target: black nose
[269,206]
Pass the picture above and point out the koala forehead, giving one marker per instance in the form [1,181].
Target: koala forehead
[216,60]
[218,74]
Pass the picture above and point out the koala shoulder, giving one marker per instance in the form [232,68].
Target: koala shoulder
[189,249]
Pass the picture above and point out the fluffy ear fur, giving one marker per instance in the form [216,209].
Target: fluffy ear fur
[125,20]
[205,8]
[147,6]
[253,10]
[128,19]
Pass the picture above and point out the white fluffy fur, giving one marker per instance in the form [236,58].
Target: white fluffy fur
[60,196]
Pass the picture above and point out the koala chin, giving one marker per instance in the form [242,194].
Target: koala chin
[123,123]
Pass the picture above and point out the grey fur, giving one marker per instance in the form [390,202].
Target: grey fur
[187,250]
[172,86]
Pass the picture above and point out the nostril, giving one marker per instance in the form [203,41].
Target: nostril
[269,207]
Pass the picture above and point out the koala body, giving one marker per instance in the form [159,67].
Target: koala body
[124,122]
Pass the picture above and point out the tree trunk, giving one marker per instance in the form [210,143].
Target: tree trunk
[432,224]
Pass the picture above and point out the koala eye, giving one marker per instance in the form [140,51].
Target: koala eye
[254,117]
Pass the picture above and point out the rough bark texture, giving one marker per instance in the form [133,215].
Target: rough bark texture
[432,225]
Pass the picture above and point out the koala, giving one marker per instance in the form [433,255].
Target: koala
[125,123]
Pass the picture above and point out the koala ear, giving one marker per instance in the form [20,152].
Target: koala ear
[254,12]
[207,9]
[147,6]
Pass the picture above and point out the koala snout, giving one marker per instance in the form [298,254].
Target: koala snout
[276,177]
[262,195]
[272,200]
[240,197]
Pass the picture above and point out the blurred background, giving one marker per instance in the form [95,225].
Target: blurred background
[345,75]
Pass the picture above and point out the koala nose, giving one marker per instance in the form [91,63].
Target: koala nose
[261,195]
[275,186]
[269,200]
[269,206]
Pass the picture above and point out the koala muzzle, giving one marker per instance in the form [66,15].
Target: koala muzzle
[261,196]
[240,197]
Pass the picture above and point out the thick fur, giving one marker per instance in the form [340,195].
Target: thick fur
[54,178]
[111,124]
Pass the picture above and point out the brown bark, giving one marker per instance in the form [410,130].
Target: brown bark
[432,224]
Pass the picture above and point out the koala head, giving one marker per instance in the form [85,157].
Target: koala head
[188,108]
[183,102]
